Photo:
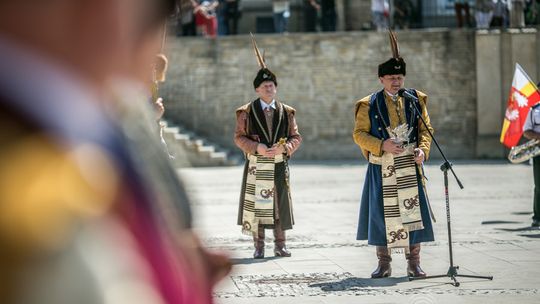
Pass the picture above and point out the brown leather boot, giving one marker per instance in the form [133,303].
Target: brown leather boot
[413,261]
[383,269]
[258,242]
[280,250]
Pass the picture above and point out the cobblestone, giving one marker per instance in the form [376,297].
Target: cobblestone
[490,229]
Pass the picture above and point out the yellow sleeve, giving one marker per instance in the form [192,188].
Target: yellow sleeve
[362,125]
[47,190]
[424,139]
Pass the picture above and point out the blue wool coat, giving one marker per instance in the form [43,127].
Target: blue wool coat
[371,224]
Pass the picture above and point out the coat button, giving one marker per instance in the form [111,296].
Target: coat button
[380,129]
[376,116]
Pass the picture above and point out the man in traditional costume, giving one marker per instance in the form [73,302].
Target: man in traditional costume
[266,131]
[394,212]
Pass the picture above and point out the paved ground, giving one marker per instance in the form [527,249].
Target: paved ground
[491,219]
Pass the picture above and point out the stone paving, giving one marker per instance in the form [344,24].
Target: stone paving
[490,225]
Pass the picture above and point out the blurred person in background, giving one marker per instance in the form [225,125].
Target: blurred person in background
[311,9]
[206,19]
[186,19]
[159,72]
[221,15]
[532,12]
[282,12]
[483,13]
[380,12]
[517,13]
[86,217]
[328,15]
[403,11]
[500,14]
[232,15]
[461,8]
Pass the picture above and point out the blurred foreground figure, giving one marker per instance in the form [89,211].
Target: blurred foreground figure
[90,209]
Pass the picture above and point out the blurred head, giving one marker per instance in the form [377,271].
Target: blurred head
[266,90]
[392,83]
[160,65]
[94,38]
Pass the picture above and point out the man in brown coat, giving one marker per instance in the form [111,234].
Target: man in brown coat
[266,131]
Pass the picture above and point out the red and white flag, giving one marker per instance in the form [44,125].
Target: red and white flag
[523,95]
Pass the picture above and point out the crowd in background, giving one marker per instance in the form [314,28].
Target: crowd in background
[210,18]
[487,13]
[221,17]
[498,13]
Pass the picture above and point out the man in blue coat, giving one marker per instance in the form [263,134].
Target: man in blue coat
[394,213]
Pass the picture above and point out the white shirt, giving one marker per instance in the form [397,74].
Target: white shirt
[392,96]
[380,6]
[280,6]
[264,105]
[533,120]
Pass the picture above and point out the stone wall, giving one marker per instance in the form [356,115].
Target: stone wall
[322,75]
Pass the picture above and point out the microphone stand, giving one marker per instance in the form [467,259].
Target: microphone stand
[452,272]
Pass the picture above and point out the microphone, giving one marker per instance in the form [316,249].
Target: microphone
[404,93]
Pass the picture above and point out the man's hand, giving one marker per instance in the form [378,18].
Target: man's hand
[276,150]
[391,147]
[261,149]
[159,108]
[419,156]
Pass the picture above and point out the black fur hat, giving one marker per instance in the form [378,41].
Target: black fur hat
[263,75]
[392,66]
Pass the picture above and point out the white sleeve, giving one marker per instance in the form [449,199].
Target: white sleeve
[528,122]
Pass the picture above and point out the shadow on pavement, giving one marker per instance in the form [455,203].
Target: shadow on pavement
[522,213]
[248,261]
[532,236]
[351,283]
[499,222]
[527,228]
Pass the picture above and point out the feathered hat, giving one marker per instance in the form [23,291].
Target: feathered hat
[396,64]
[264,74]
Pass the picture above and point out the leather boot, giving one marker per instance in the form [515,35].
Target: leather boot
[383,269]
[258,242]
[413,261]
[280,250]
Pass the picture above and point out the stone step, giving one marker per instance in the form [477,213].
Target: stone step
[192,151]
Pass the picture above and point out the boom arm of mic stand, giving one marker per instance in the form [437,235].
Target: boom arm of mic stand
[447,163]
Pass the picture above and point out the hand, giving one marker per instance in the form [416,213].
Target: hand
[419,156]
[391,147]
[276,150]
[159,108]
[261,149]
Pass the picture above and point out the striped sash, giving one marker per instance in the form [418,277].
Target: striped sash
[258,208]
[400,198]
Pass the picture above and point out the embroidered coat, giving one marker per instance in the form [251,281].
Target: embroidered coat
[369,134]
[248,134]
